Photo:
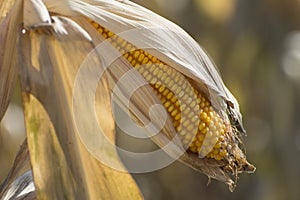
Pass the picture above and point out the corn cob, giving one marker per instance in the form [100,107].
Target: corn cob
[168,84]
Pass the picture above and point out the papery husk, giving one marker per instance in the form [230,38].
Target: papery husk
[10,27]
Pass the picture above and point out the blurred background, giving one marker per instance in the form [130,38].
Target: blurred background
[256,46]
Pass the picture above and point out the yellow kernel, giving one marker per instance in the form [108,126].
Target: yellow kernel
[223,153]
[222,131]
[203,115]
[110,34]
[174,99]
[141,57]
[205,130]
[95,25]
[104,35]
[167,104]
[136,54]
[161,88]
[157,85]
[198,143]
[145,61]
[170,95]
[177,117]
[174,113]
[205,109]
[201,137]
[171,108]
[202,104]
[215,151]
[154,59]
[207,120]
[162,65]
[217,145]
[166,91]
[193,149]
[163,100]
[126,55]
[202,125]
